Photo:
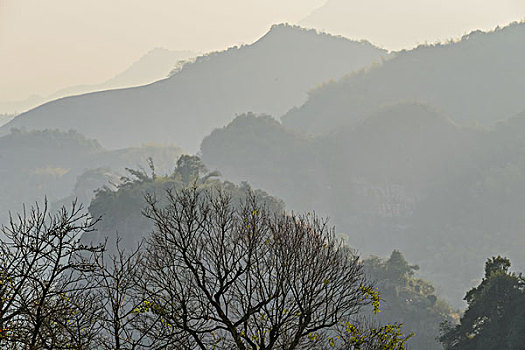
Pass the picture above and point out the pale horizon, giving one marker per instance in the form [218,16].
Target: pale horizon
[48,46]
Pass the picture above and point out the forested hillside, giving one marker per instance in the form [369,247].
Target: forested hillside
[495,316]
[121,209]
[406,178]
[474,80]
[271,75]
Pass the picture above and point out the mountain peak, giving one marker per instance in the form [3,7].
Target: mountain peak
[290,32]
[270,76]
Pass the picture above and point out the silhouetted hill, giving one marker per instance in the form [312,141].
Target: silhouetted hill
[409,145]
[271,75]
[259,149]
[153,66]
[478,79]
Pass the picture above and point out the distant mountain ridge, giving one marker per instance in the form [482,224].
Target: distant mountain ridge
[271,75]
[478,79]
[422,21]
[5,118]
[153,66]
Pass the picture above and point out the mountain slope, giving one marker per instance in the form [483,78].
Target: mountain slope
[153,66]
[5,118]
[411,146]
[478,79]
[271,75]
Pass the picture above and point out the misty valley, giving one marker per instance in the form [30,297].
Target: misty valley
[304,191]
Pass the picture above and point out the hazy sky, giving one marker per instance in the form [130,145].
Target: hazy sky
[405,23]
[46,45]
[49,44]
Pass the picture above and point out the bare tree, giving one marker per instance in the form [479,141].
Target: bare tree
[213,274]
[39,277]
[80,323]
[114,279]
[238,276]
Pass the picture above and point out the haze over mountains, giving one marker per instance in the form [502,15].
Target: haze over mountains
[60,165]
[395,154]
[405,24]
[250,184]
[272,75]
[153,66]
[406,177]
[420,150]
[478,79]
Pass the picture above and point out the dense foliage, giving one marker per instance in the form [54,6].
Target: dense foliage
[495,317]
[409,300]
[121,210]
[215,264]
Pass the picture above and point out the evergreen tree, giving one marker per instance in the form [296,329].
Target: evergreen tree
[495,317]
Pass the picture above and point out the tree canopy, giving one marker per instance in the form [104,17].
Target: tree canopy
[120,210]
[408,299]
[495,317]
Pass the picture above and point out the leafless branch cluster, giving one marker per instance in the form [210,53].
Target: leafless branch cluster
[213,274]
[230,276]
[40,289]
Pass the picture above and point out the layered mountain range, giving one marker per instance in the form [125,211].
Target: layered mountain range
[271,75]
[418,150]
[475,80]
